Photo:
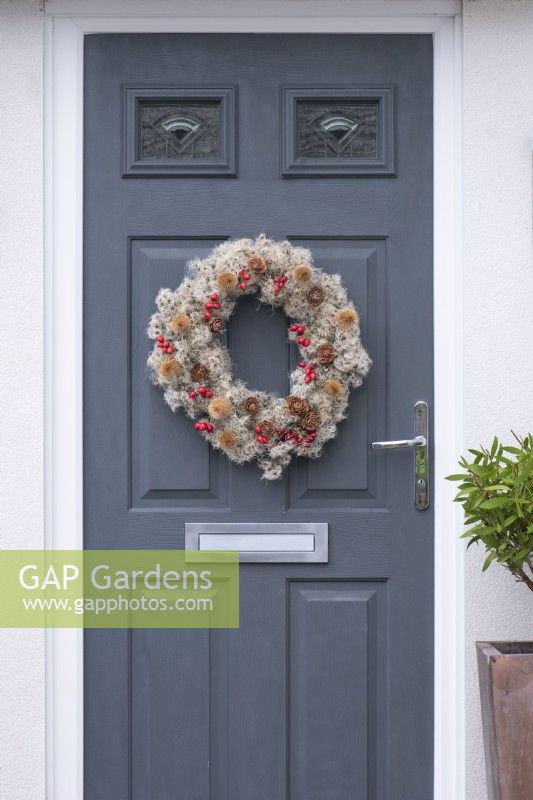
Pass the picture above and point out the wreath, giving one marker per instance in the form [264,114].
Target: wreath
[193,366]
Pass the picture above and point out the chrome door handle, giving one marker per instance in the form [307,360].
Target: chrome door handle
[399,444]
[420,445]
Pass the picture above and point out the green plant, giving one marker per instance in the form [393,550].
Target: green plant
[496,492]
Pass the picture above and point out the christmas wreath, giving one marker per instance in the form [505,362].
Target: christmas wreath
[193,366]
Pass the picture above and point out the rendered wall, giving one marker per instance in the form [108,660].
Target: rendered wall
[498,297]
[21,384]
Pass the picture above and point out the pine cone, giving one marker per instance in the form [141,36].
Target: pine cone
[251,406]
[199,373]
[325,354]
[311,421]
[315,296]
[257,265]
[216,325]
[268,428]
[297,405]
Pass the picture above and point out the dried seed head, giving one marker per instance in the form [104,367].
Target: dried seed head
[180,323]
[227,439]
[227,281]
[302,274]
[334,388]
[347,317]
[219,407]
[169,368]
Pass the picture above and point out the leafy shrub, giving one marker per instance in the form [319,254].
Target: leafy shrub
[496,492]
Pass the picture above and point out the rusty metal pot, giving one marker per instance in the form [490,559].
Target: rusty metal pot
[506,688]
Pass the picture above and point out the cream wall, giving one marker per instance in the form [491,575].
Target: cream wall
[498,292]
[21,388]
[498,296]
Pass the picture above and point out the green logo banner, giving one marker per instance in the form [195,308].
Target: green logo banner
[119,589]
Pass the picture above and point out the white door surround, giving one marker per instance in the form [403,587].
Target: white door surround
[68,21]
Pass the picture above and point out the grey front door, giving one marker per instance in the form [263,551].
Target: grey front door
[325,692]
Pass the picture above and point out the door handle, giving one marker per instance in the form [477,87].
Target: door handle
[399,444]
[420,444]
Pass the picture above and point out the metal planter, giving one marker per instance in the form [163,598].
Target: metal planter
[506,688]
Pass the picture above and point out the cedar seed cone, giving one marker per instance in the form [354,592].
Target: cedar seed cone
[199,373]
[169,368]
[325,354]
[297,405]
[180,323]
[315,296]
[252,405]
[311,421]
[257,265]
[268,428]
[226,281]
[216,325]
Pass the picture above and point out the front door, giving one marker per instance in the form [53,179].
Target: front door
[325,692]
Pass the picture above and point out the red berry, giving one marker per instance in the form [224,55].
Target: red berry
[312,375]
[202,389]
[300,340]
[302,364]
[209,393]
[215,305]
[160,339]
[312,365]
[208,315]
[208,305]
[277,278]
[301,328]
[277,289]
[192,393]
[214,296]
[243,286]
[259,439]
[170,349]
[307,379]
[294,328]
[210,427]
[246,276]
[258,429]
[307,342]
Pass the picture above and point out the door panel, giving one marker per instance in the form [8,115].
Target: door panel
[336,629]
[325,691]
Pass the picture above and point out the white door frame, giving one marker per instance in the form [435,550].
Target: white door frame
[67,22]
